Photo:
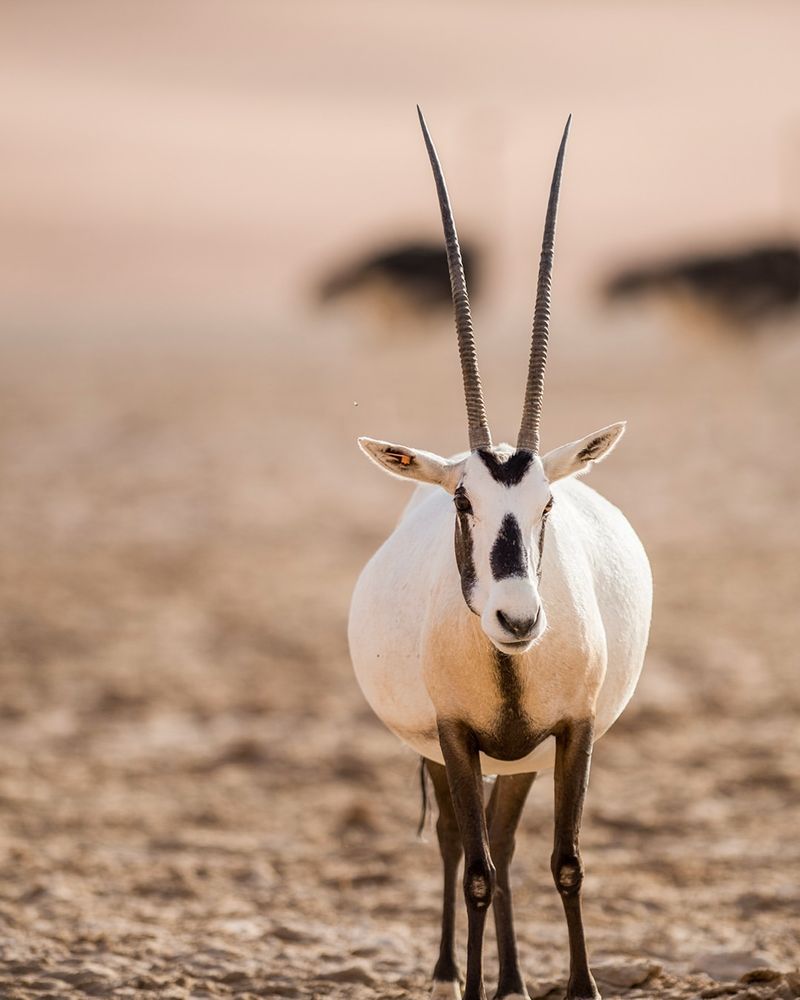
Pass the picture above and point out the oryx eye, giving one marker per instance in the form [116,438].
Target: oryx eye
[463,506]
[548,507]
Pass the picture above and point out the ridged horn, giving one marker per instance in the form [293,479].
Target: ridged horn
[532,410]
[479,435]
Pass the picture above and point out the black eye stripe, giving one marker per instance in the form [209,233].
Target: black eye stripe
[545,512]
[464,558]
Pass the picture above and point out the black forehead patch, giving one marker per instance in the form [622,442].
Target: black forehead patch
[508,471]
[508,556]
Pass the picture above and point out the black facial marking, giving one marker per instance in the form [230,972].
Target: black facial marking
[541,549]
[464,559]
[545,515]
[508,471]
[508,556]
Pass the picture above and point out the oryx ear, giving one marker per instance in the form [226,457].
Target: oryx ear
[577,456]
[410,463]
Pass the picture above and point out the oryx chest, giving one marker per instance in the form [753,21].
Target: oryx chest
[511,703]
[512,710]
[517,724]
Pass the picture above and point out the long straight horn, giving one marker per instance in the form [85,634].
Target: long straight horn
[529,428]
[479,435]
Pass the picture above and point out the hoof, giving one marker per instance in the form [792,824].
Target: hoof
[446,990]
[584,991]
[584,994]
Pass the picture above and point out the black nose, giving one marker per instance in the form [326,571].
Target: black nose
[520,627]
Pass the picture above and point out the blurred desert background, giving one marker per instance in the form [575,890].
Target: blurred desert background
[195,800]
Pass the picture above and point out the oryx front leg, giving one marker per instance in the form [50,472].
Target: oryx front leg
[446,979]
[462,762]
[573,758]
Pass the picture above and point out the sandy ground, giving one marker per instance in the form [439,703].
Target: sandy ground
[194,798]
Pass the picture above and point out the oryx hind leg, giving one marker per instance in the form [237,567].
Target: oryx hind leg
[503,814]
[446,977]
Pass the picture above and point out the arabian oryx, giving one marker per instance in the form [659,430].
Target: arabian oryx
[510,651]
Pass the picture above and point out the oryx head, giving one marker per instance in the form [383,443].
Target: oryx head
[501,495]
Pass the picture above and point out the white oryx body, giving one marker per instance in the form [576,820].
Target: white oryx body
[419,652]
[501,630]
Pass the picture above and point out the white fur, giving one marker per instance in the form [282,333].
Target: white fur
[419,652]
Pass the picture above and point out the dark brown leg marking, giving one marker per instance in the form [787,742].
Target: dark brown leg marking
[446,969]
[573,757]
[460,749]
[504,811]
